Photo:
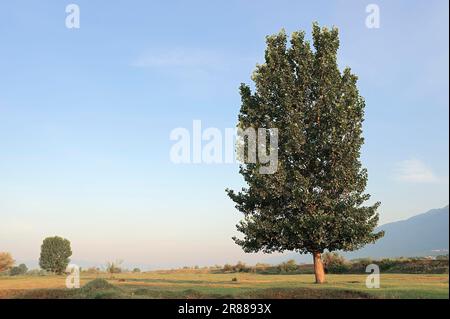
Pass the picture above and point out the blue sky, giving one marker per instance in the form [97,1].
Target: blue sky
[85,118]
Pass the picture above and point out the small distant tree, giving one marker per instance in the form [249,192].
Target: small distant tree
[136,270]
[6,261]
[18,270]
[114,267]
[55,253]
[288,266]
[262,266]
[335,263]
[228,268]
[240,267]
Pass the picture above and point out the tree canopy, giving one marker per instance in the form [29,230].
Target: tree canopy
[315,199]
[55,253]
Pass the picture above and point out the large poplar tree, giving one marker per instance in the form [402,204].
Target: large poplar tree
[315,200]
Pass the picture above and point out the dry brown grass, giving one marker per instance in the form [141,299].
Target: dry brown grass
[167,283]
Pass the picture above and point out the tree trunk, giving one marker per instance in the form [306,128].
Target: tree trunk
[318,268]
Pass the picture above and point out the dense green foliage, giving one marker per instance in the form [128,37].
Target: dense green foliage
[18,270]
[239,267]
[314,201]
[55,253]
[288,266]
[337,264]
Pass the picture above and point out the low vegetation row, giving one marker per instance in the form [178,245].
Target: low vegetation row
[337,264]
[55,253]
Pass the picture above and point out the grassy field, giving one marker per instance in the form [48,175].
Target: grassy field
[199,284]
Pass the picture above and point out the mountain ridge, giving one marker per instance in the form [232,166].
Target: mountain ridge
[420,235]
[425,234]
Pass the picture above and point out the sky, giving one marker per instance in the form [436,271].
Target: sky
[86,115]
